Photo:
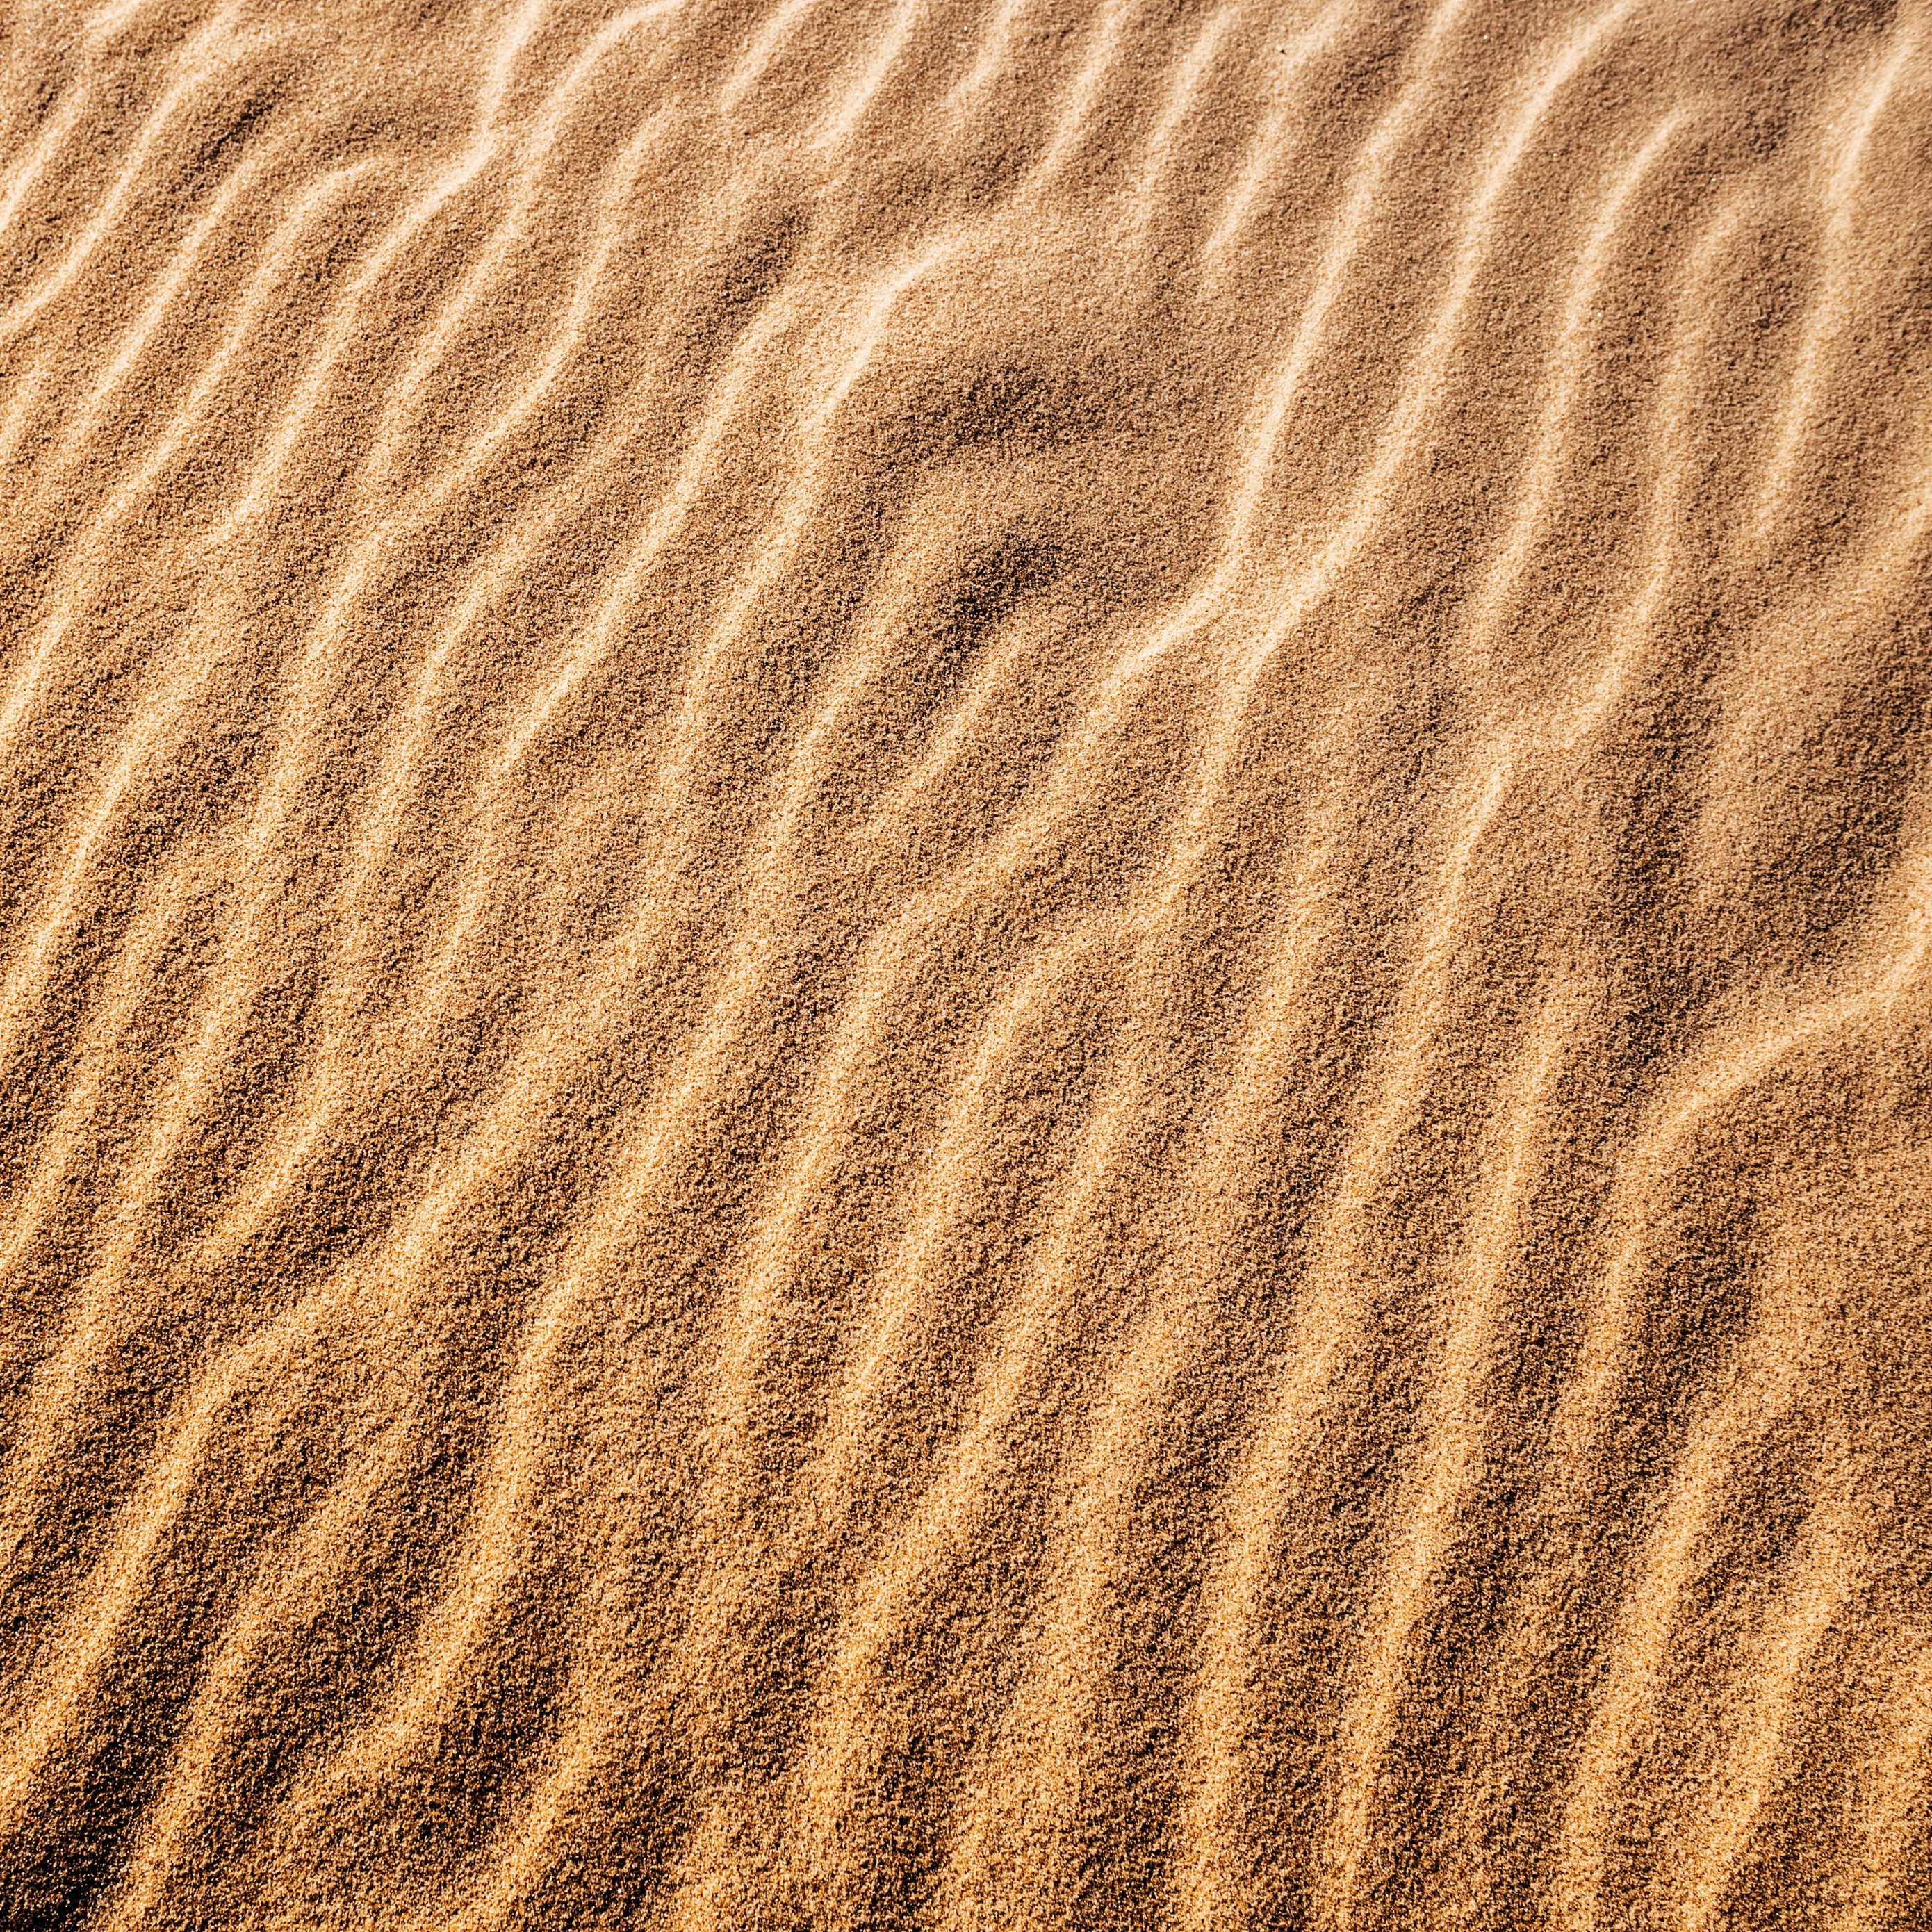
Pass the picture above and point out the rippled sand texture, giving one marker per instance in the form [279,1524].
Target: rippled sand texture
[966,965]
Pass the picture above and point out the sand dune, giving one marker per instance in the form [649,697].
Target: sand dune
[965,963]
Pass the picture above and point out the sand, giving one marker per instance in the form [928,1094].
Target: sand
[964,963]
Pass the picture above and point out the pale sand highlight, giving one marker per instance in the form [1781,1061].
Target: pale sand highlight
[967,964]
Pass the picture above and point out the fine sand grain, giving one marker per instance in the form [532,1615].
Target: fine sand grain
[964,963]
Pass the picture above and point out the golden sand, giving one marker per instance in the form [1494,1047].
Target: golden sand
[964,963]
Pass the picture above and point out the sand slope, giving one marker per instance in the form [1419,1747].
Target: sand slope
[966,965]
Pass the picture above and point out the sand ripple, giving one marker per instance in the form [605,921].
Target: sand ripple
[966,965]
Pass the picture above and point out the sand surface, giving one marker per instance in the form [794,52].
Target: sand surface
[964,963]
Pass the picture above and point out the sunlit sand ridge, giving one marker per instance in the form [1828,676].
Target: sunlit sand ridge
[966,965]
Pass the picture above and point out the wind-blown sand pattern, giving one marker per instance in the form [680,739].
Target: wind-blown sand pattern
[966,965]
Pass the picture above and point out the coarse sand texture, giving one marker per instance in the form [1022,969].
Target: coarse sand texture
[965,964]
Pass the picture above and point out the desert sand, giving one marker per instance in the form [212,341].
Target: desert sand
[964,963]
